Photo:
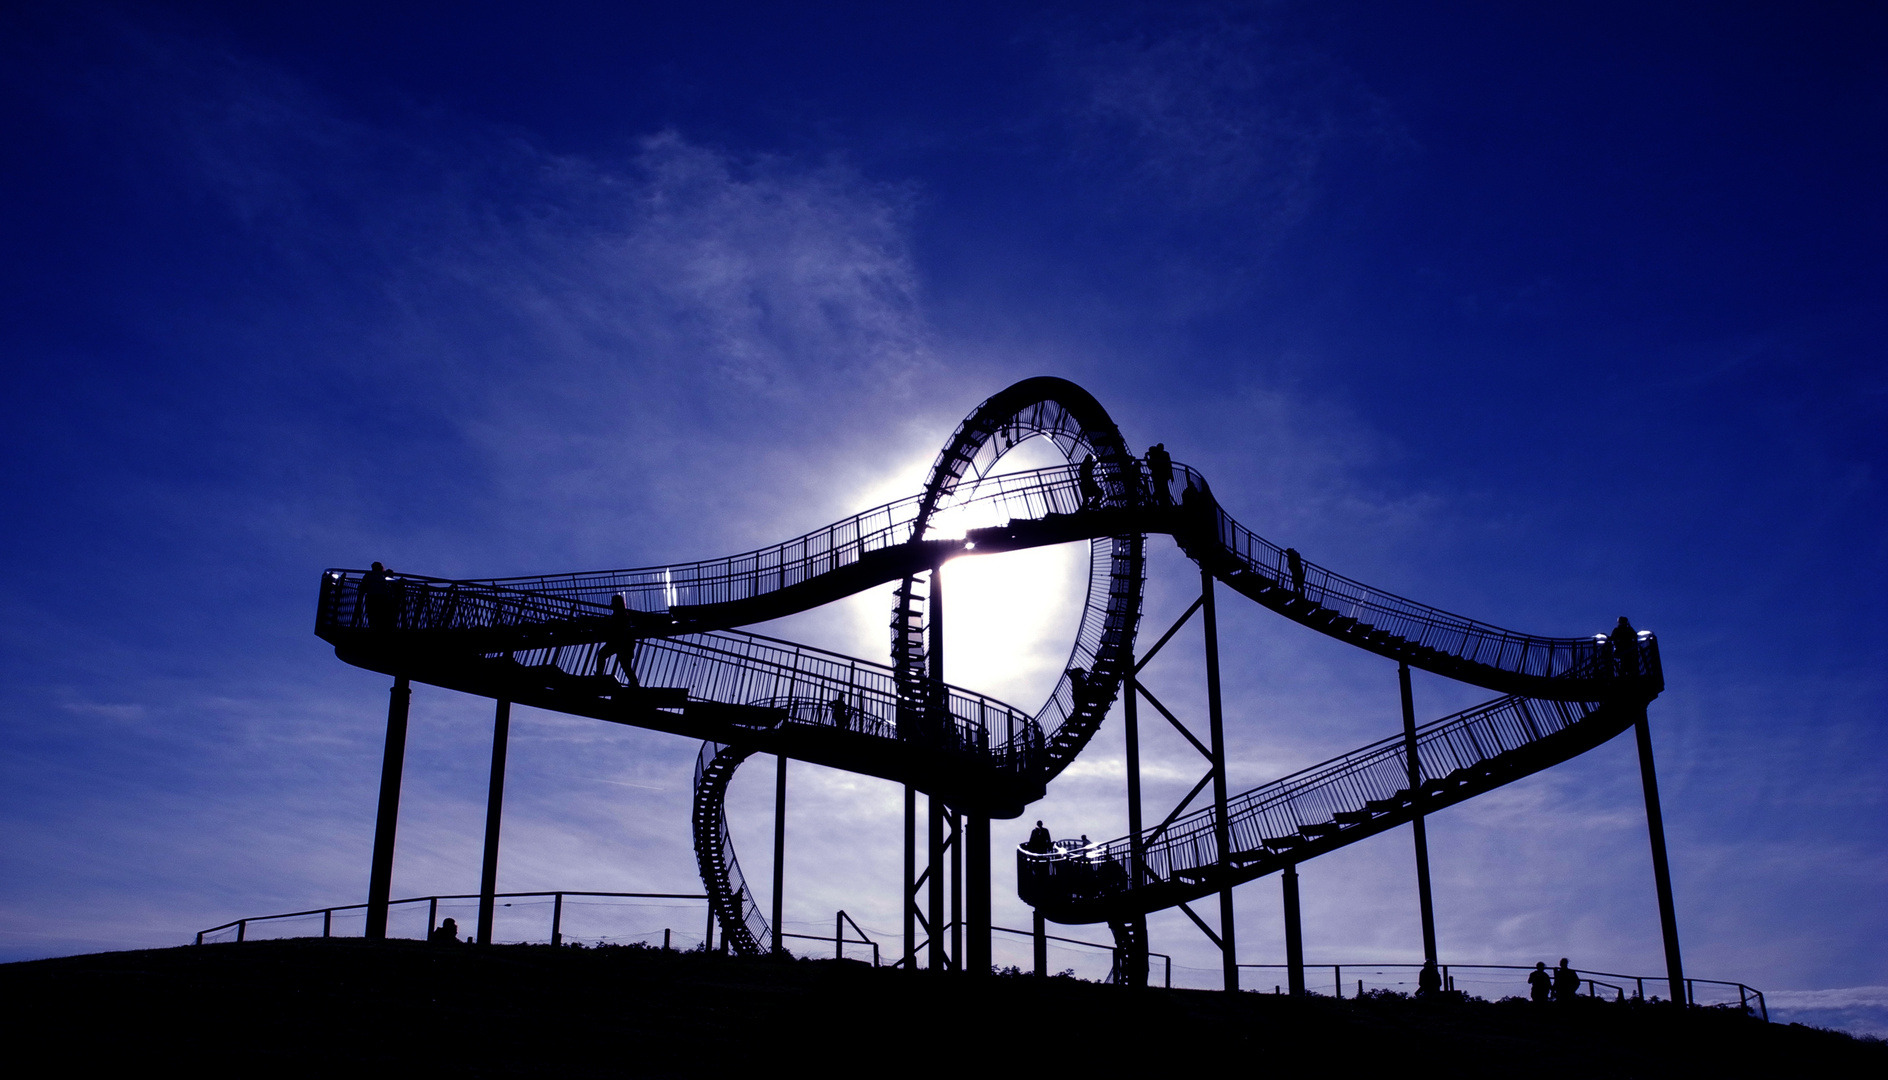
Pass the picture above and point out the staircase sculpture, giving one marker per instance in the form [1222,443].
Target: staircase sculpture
[658,647]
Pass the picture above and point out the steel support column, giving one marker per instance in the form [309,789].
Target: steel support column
[1661,869]
[1135,973]
[780,846]
[1294,932]
[1424,899]
[911,878]
[957,890]
[494,808]
[977,884]
[934,838]
[1222,836]
[938,724]
[392,760]
[1042,946]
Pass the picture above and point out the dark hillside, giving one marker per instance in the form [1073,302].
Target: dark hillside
[313,1006]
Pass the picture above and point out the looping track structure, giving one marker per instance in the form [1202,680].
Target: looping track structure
[659,647]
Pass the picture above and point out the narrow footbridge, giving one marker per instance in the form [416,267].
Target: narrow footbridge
[661,647]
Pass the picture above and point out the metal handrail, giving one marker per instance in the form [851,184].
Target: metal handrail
[1360,785]
[1746,993]
[241,926]
[584,597]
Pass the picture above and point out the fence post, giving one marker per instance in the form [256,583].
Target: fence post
[432,916]
[708,933]
[199,937]
[557,919]
[327,923]
[242,925]
[839,942]
[1337,979]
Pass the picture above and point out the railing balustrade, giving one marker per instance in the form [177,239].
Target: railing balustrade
[242,926]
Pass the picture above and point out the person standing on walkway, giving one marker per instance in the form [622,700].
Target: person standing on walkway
[1540,985]
[1566,983]
[377,597]
[621,643]
[1296,564]
[1160,470]
[1091,488]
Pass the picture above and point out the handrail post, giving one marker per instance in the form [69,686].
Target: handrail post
[432,916]
[242,926]
[557,919]
[494,810]
[839,941]
[1222,833]
[393,758]
[708,932]
[327,923]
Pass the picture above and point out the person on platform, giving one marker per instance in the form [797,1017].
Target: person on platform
[1091,488]
[1626,648]
[1566,983]
[1039,840]
[1160,470]
[377,597]
[1540,985]
[621,643]
[1429,981]
[447,933]
[1296,563]
[842,713]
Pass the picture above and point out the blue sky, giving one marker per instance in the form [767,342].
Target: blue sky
[1544,317]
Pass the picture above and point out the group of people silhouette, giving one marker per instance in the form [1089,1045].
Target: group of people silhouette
[1561,985]
[1159,473]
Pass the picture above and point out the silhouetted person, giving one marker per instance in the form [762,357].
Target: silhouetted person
[1078,686]
[1540,985]
[1296,564]
[1429,982]
[1160,469]
[1566,982]
[842,714]
[377,595]
[1091,487]
[1039,840]
[621,643]
[447,933]
[1626,648]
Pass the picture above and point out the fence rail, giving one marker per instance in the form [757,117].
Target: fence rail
[241,926]
[1591,980]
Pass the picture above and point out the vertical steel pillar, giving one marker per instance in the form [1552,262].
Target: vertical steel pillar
[1294,933]
[1222,835]
[939,725]
[392,760]
[1423,898]
[1661,869]
[977,884]
[934,837]
[1137,853]
[780,845]
[957,890]
[1042,946]
[911,878]
[494,807]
